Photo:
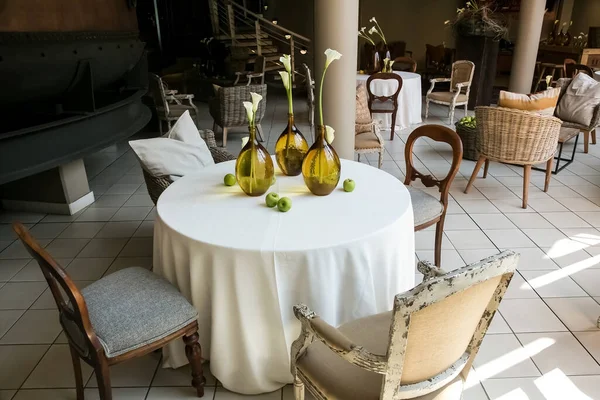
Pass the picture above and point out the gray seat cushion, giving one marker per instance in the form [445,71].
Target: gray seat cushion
[425,206]
[134,307]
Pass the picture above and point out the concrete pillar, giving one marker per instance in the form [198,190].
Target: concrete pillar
[336,24]
[531,18]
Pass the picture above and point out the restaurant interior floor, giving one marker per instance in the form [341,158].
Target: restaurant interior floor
[543,344]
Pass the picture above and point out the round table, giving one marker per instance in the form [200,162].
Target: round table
[410,98]
[244,265]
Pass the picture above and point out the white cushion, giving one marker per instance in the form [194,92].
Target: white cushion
[180,152]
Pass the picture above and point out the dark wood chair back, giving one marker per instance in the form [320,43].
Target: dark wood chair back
[404,64]
[437,133]
[397,49]
[573,69]
[374,99]
[73,311]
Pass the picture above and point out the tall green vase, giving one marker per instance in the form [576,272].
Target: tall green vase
[290,149]
[321,168]
[254,169]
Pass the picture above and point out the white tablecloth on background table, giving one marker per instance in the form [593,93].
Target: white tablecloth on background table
[409,98]
[244,265]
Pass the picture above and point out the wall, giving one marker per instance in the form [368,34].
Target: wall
[586,13]
[416,22]
[66,16]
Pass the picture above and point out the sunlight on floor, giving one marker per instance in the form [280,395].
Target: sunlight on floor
[555,385]
[554,276]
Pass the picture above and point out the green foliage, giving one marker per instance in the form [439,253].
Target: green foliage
[469,122]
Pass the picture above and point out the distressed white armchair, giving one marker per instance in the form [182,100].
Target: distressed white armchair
[460,87]
[423,349]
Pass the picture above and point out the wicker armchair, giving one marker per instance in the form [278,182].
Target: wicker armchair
[588,131]
[228,111]
[157,184]
[515,137]
[460,86]
[422,349]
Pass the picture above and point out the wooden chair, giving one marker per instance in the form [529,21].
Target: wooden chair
[438,59]
[572,69]
[367,138]
[404,64]
[228,111]
[310,99]
[427,209]
[384,104]
[460,86]
[258,73]
[124,315]
[170,106]
[422,349]
[548,69]
[515,137]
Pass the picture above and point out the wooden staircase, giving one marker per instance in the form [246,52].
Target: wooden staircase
[236,25]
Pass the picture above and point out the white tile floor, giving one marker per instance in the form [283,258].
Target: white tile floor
[544,343]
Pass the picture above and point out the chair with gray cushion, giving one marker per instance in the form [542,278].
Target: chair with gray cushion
[124,315]
[460,86]
[429,210]
[422,349]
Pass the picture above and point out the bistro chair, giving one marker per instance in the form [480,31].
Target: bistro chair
[422,349]
[122,316]
[170,105]
[460,86]
[258,73]
[384,104]
[227,108]
[515,137]
[438,60]
[310,99]
[404,64]
[572,69]
[427,209]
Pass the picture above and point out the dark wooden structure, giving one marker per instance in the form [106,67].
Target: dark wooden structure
[483,51]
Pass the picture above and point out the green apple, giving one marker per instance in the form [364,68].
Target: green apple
[229,180]
[349,185]
[284,204]
[272,199]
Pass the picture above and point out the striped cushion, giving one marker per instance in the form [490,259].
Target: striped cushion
[364,121]
[542,103]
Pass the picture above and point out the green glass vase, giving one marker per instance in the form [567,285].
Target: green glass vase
[321,168]
[290,149]
[254,169]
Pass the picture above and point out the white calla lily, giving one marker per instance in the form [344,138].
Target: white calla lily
[256,98]
[372,30]
[329,134]
[286,60]
[285,78]
[245,141]
[332,55]
[373,20]
[249,112]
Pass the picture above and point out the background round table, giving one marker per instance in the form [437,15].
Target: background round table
[410,98]
[244,265]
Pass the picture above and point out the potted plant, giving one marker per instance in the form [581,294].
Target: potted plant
[467,131]
[477,18]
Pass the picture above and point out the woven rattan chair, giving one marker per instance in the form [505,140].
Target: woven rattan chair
[169,106]
[385,104]
[157,184]
[228,111]
[422,349]
[460,86]
[310,99]
[515,137]
[427,209]
[589,132]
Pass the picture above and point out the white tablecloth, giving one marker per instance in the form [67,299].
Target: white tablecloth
[409,98]
[244,266]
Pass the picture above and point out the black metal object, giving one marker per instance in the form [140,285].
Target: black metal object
[483,51]
[559,158]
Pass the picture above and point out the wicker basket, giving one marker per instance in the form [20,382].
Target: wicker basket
[468,136]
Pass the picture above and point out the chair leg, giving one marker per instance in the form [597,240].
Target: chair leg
[526,176]
[193,351]
[77,370]
[103,378]
[358,155]
[259,131]
[475,172]
[466,109]
[426,108]
[439,235]
[593,132]
[160,128]
[548,173]
[393,124]
[224,136]
[298,389]
[380,160]
[586,141]
[485,168]
[451,115]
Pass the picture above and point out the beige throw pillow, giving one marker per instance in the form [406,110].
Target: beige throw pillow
[580,100]
[542,103]
[364,121]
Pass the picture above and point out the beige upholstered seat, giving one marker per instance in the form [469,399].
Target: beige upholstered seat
[422,349]
[425,206]
[460,86]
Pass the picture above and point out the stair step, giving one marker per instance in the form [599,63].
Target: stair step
[252,43]
[242,36]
